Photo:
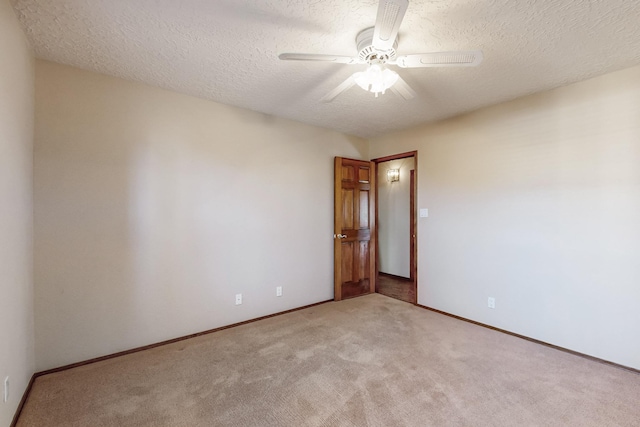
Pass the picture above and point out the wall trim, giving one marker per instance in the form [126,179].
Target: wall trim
[27,391]
[393,276]
[25,396]
[171,341]
[533,340]
[396,157]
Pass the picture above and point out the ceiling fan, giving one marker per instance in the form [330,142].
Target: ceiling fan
[377,48]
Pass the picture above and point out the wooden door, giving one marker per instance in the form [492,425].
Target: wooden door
[354,238]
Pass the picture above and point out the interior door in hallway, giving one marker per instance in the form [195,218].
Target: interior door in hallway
[354,225]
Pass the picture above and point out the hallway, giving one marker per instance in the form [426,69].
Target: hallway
[396,287]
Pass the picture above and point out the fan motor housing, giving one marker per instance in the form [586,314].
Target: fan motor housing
[368,53]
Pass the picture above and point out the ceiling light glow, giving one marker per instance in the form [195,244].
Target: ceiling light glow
[376,79]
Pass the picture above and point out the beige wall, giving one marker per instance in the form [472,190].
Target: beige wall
[16,141]
[536,202]
[153,209]
[393,218]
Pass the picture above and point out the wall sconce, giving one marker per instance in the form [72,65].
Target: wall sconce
[393,175]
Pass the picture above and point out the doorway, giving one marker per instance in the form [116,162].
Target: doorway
[396,267]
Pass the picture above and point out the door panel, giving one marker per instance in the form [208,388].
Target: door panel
[348,173]
[364,209]
[354,243]
[347,209]
[363,174]
[364,261]
[347,259]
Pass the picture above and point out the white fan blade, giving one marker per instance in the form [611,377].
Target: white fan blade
[403,89]
[390,14]
[469,58]
[315,57]
[345,85]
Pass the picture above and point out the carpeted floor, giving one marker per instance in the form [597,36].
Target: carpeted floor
[368,361]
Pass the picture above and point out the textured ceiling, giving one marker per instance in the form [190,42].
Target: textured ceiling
[226,50]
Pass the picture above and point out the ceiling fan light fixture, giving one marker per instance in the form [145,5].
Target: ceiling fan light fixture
[377,47]
[376,79]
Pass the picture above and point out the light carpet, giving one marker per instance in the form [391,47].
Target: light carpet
[368,361]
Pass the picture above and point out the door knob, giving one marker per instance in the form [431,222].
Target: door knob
[339,236]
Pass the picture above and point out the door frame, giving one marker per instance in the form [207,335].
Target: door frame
[413,225]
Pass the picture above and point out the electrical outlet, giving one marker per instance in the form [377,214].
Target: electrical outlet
[279,291]
[491,302]
[238,299]
[5,397]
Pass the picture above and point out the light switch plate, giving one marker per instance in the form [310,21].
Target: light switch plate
[424,213]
